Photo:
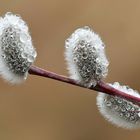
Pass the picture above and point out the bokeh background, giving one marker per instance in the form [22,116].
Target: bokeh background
[44,109]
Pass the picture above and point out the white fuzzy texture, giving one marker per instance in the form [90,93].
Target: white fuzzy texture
[8,76]
[97,52]
[25,52]
[118,117]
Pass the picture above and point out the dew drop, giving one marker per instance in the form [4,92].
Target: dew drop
[105,99]
[127,115]
[88,69]
[86,27]
[88,45]
[67,43]
[21,23]
[108,103]
[10,66]
[139,114]
[120,101]
[93,83]
[23,38]
[97,60]
[82,42]
[132,109]
[112,99]
[21,49]
[116,107]
[121,114]
[132,118]
[98,71]
[9,14]
[24,70]
[34,54]
[116,84]
[123,109]
[85,55]
[75,59]
[24,55]
[3,55]
[30,58]
[128,107]
[130,90]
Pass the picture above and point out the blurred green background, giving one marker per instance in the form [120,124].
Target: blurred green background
[44,109]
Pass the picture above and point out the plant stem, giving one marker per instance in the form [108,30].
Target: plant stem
[100,87]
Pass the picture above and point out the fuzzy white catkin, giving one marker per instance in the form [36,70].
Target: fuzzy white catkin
[118,111]
[16,50]
[85,57]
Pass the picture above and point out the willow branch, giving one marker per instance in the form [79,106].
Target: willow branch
[100,87]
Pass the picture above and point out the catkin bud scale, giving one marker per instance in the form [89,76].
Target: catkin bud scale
[119,111]
[85,57]
[16,49]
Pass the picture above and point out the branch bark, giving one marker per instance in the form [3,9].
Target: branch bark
[100,87]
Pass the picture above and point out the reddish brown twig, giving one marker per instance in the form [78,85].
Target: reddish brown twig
[101,86]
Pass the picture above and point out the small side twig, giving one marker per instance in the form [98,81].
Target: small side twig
[100,87]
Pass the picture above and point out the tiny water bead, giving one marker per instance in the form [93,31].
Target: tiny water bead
[120,111]
[139,112]
[24,38]
[24,55]
[86,28]
[30,58]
